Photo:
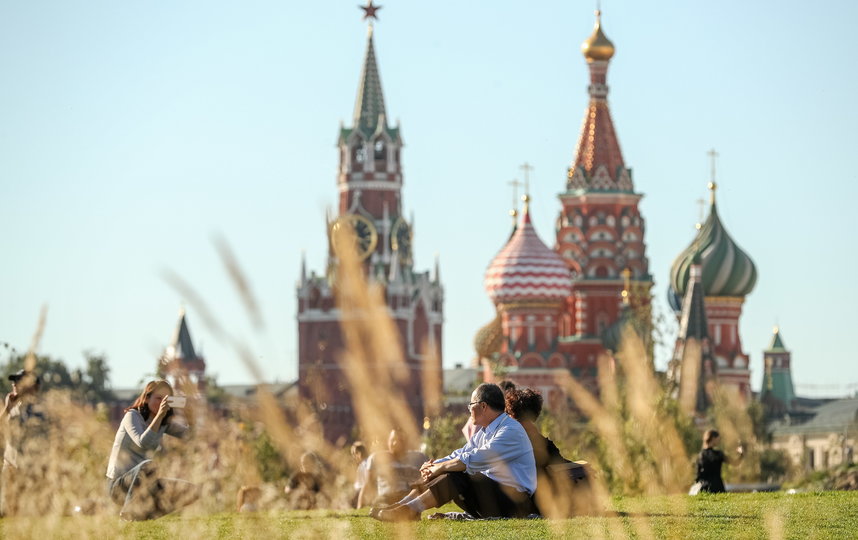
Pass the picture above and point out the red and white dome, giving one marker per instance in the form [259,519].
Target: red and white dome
[527,270]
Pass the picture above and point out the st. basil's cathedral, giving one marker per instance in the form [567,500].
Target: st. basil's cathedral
[557,309]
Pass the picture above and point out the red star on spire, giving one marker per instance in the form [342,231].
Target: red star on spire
[369,11]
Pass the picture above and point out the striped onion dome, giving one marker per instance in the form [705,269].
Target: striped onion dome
[727,270]
[525,269]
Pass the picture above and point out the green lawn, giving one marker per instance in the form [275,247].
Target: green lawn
[765,515]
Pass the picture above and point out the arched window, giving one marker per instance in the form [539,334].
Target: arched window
[359,154]
[380,153]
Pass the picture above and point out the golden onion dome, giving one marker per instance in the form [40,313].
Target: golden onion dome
[597,46]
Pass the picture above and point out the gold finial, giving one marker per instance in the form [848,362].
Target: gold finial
[777,329]
[699,224]
[713,156]
[515,185]
[597,46]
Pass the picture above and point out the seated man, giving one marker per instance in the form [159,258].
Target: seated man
[493,475]
[390,473]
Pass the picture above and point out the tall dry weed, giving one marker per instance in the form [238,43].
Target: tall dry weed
[635,440]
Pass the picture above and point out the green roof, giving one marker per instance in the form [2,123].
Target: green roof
[777,344]
[369,107]
[727,270]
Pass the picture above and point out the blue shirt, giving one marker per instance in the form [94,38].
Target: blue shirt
[501,451]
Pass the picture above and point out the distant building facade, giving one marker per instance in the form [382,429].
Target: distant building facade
[828,440]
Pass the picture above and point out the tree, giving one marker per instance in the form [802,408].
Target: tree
[90,384]
[54,373]
[93,383]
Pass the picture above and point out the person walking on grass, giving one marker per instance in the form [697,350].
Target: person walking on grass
[133,483]
[493,475]
[709,463]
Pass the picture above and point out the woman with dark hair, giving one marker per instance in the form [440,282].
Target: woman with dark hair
[525,405]
[556,475]
[709,463]
[132,480]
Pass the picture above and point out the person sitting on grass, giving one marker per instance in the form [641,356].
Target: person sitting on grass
[493,475]
[562,490]
[469,428]
[305,487]
[390,473]
[248,498]
[359,455]
[709,463]
[133,483]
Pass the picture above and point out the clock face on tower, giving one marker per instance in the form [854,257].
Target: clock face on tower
[400,240]
[366,237]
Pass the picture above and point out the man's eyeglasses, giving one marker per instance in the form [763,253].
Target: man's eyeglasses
[471,404]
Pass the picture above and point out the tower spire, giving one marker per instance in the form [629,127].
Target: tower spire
[598,145]
[369,112]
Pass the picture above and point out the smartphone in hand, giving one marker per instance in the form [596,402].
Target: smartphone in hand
[177,402]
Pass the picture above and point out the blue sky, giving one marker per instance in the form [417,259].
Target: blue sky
[133,133]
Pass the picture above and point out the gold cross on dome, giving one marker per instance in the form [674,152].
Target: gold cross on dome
[515,185]
[526,167]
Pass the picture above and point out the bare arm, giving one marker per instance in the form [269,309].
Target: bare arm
[369,490]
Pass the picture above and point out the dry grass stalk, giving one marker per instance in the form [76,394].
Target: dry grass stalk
[373,361]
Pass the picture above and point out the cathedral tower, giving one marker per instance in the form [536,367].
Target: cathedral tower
[727,275]
[778,393]
[369,183]
[600,231]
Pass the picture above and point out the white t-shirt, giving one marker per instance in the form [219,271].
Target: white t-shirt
[402,472]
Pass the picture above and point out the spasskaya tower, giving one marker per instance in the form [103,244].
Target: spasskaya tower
[369,184]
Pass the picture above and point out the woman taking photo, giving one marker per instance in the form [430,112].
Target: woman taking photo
[132,480]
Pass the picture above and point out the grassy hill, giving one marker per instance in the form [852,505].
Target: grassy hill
[758,515]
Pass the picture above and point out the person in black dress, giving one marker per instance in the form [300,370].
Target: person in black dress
[709,463]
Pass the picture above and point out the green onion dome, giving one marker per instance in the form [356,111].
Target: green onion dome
[726,269]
